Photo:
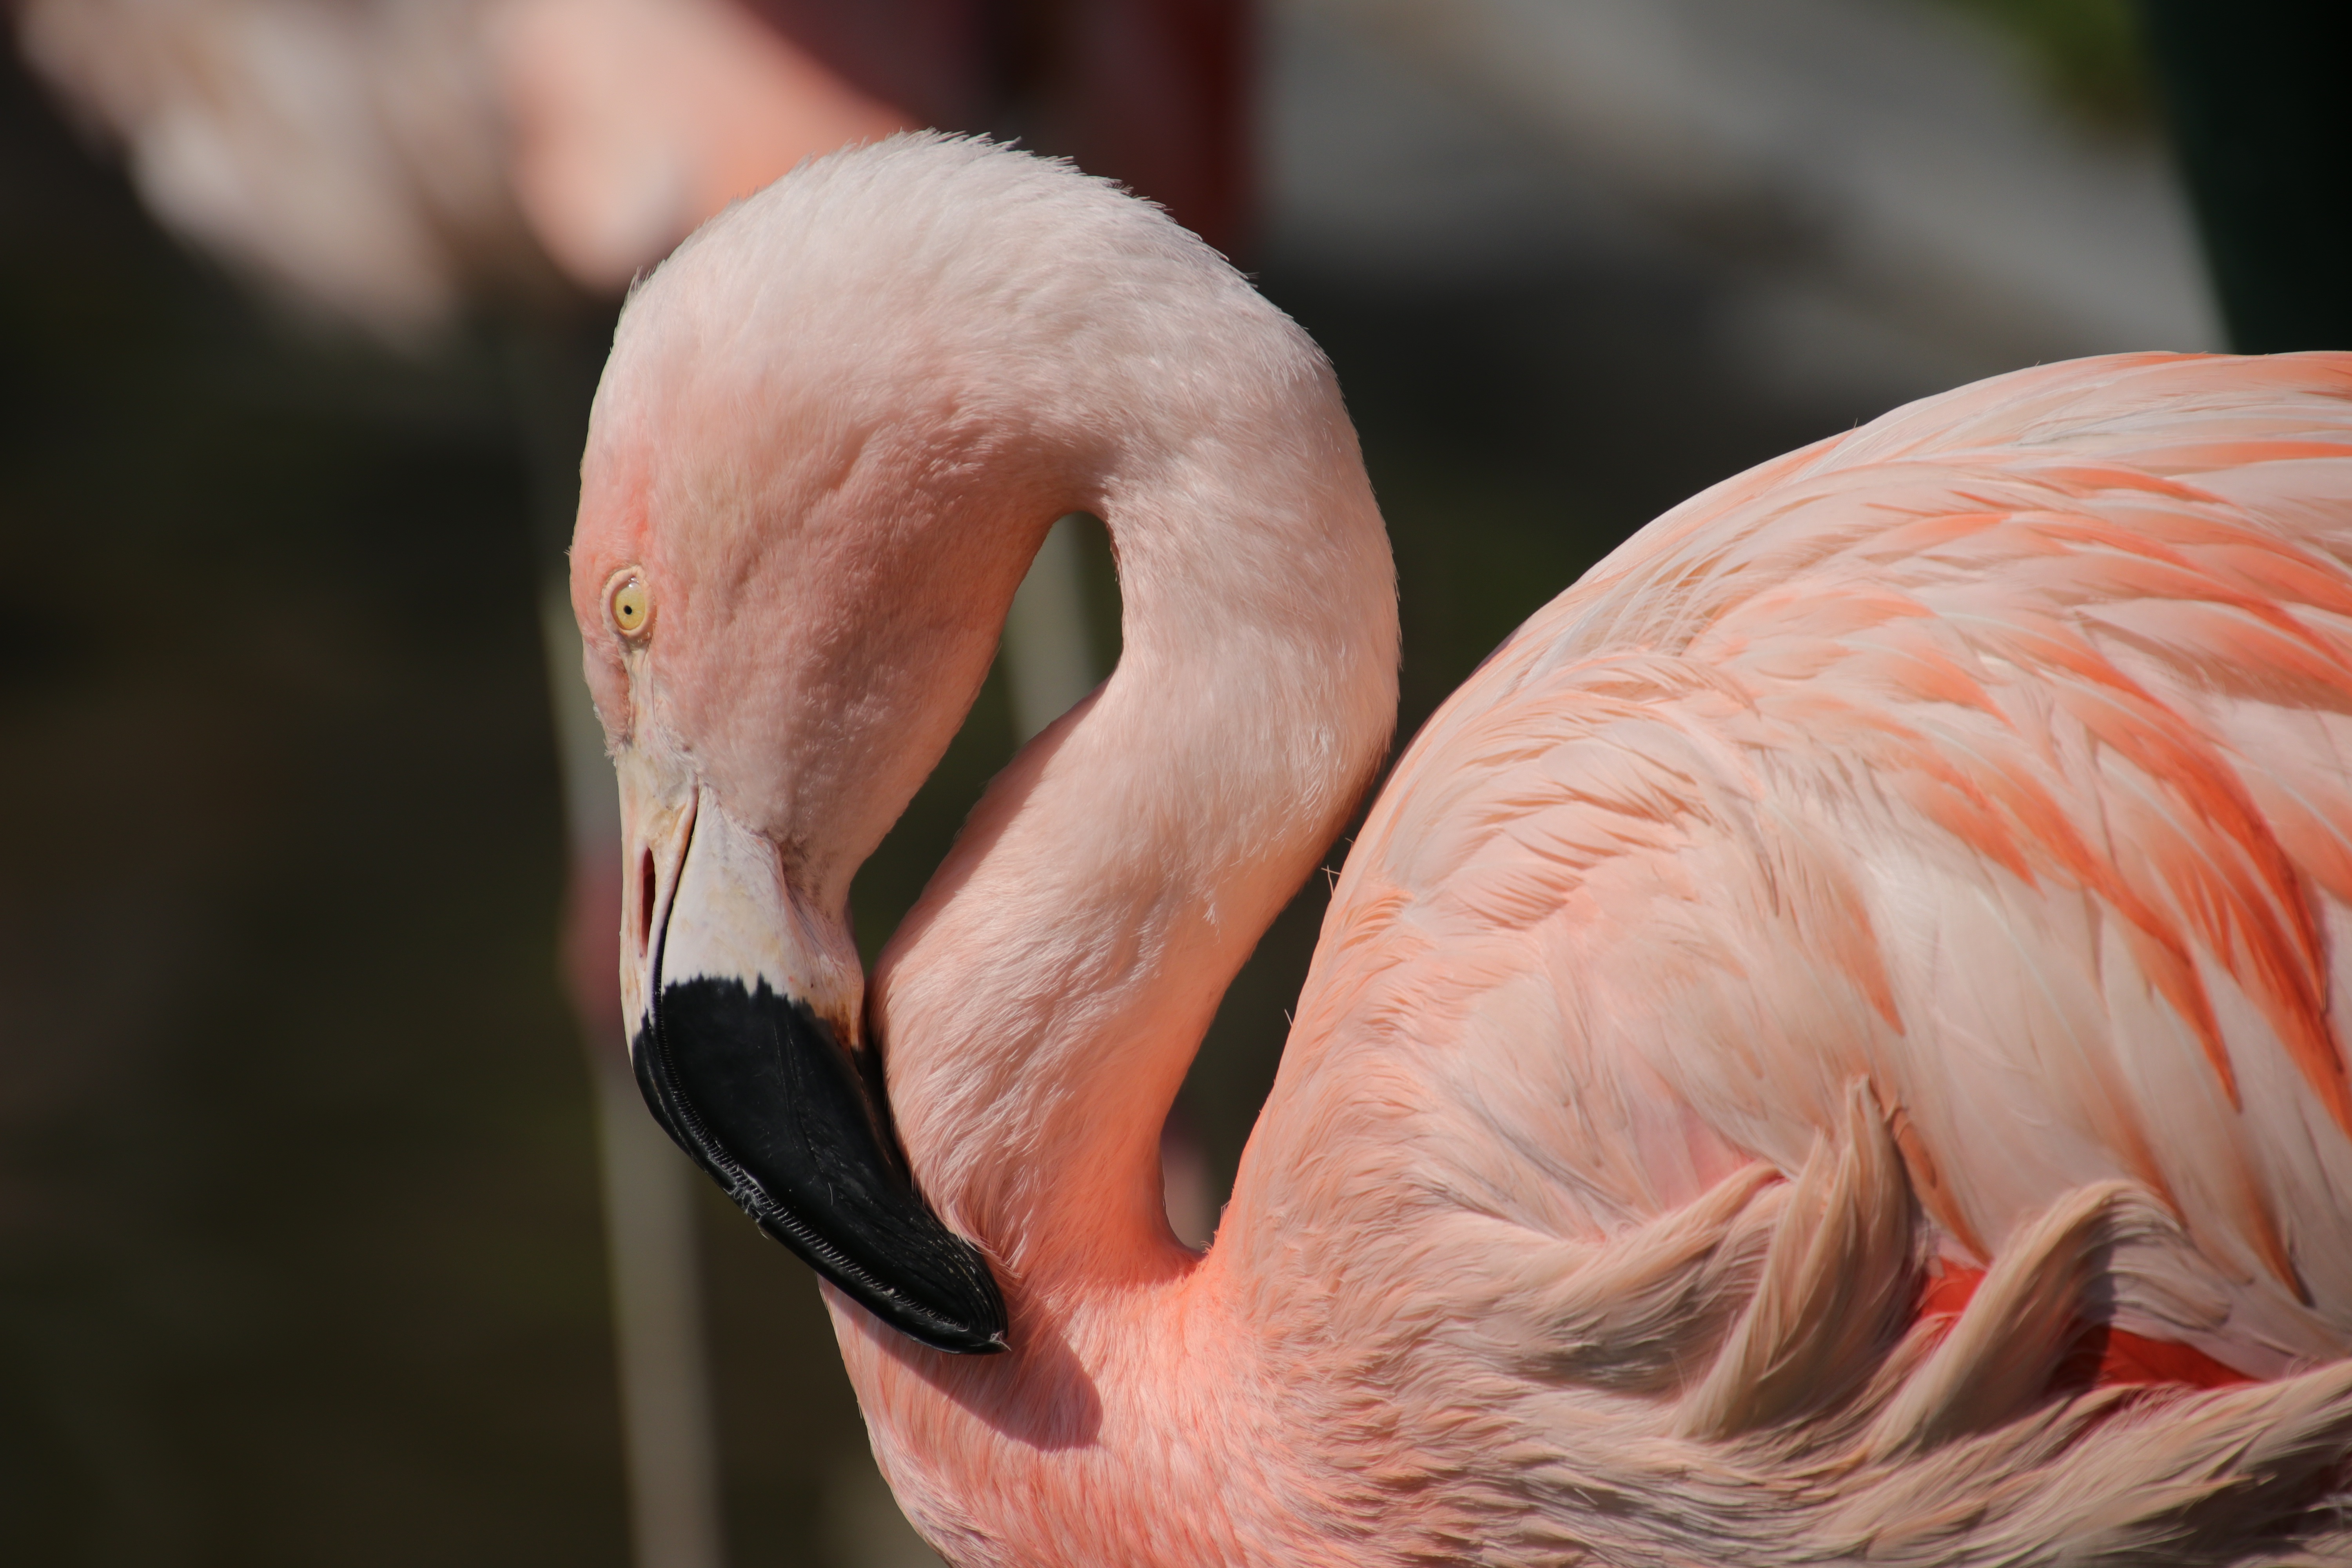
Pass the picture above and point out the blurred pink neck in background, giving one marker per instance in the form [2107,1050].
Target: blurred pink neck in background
[633,120]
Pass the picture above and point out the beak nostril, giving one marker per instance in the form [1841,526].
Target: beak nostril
[645,902]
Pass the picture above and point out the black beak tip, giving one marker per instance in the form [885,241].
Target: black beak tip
[755,1089]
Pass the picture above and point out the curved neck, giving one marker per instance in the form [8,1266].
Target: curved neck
[1039,1006]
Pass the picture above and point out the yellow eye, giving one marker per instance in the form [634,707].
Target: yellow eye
[631,604]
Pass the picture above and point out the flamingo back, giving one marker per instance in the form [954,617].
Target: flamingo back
[1953,818]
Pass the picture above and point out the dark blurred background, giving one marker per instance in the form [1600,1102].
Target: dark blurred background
[302,1252]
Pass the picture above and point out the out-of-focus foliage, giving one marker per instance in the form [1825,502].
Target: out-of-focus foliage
[2260,118]
[2086,53]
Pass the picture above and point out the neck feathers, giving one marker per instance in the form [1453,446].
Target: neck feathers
[1040,1005]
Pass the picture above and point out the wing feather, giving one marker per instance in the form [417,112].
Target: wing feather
[1997,753]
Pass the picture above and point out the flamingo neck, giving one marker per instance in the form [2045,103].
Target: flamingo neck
[1040,1005]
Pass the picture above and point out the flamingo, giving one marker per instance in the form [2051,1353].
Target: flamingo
[1825,1046]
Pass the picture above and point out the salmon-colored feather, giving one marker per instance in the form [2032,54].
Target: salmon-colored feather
[1986,671]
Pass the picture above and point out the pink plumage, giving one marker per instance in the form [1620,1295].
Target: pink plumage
[1827,1046]
[1933,754]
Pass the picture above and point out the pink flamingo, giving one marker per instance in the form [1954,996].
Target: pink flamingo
[1826,1046]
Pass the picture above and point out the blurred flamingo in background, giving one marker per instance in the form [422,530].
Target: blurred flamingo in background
[1826,1047]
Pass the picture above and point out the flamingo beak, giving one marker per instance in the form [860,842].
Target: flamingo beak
[743,1007]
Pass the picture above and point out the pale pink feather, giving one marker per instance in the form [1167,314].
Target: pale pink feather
[1990,761]
[1988,754]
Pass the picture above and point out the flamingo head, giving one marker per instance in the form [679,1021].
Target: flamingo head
[833,430]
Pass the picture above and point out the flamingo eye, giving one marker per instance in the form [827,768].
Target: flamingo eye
[632,604]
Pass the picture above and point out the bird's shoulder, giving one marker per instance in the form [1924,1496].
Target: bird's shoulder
[1994,754]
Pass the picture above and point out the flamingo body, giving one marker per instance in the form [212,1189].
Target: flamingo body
[1988,754]
[1822,1046]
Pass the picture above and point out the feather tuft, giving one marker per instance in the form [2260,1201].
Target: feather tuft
[1835,1290]
[2001,1355]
